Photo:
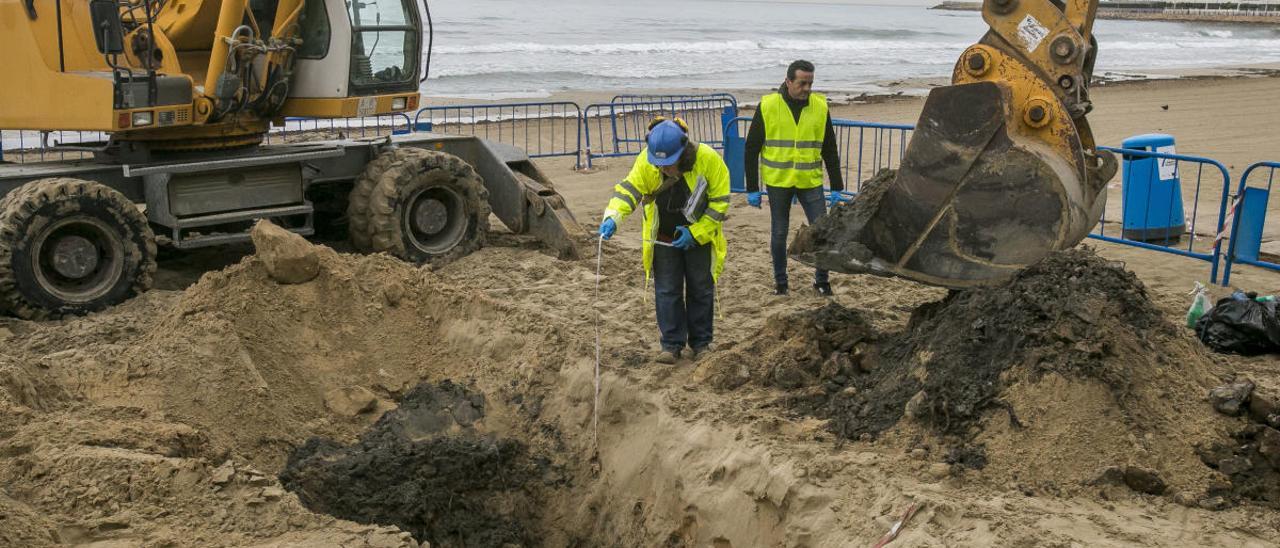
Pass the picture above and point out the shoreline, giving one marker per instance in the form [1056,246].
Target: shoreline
[905,89]
[1134,14]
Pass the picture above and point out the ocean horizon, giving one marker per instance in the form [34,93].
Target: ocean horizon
[494,49]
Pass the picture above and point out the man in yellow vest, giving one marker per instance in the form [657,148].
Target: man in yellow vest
[790,139]
[683,187]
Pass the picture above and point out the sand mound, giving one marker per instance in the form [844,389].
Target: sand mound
[1066,379]
[165,421]
[166,418]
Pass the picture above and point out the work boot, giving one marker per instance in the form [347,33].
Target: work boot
[780,289]
[667,356]
[824,289]
[699,352]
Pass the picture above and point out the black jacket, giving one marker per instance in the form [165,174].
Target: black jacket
[755,142]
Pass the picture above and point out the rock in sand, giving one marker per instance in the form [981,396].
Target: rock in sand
[288,257]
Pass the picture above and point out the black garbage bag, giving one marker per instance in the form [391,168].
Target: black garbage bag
[1245,327]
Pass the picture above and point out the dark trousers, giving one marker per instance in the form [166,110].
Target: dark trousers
[685,294]
[814,204]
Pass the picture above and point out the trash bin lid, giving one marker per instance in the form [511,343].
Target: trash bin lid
[1147,141]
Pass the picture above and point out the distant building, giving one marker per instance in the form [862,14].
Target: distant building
[1243,7]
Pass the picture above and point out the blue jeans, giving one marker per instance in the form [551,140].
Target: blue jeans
[685,294]
[814,203]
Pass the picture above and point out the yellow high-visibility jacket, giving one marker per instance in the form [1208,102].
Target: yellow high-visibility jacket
[642,184]
[792,153]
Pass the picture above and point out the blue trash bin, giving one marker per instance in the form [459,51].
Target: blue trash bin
[1152,192]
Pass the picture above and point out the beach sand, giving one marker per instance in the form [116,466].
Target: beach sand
[164,421]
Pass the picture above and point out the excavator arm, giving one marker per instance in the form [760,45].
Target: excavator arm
[1001,170]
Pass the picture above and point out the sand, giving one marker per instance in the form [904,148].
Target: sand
[165,421]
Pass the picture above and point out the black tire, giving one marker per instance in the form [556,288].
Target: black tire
[70,247]
[358,200]
[426,207]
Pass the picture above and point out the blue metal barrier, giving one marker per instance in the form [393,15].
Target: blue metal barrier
[1250,218]
[1210,255]
[618,128]
[541,129]
[649,98]
[865,149]
[356,128]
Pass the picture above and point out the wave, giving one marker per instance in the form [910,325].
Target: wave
[697,47]
[558,74]
[1215,33]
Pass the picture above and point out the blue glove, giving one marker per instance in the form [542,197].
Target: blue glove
[607,228]
[836,198]
[753,199]
[684,238]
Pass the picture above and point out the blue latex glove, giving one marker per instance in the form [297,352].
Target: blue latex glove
[753,199]
[684,238]
[607,228]
[836,198]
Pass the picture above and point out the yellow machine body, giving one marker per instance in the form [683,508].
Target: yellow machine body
[202,74]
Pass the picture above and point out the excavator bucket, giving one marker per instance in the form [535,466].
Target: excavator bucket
[1001,169]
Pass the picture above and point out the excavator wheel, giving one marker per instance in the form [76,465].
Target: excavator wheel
[425,207]
[70,247]
[358,200]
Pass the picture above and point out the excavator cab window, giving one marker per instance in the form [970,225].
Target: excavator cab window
[315,31]
[385,36]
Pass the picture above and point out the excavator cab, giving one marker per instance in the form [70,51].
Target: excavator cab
[193,75]
[1002,168]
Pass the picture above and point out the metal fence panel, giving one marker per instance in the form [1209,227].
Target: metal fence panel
[315,129]
[20,146]
[1205,201]
[1249,219]
[865,149]
[619,128]
[541,129]
[24,146]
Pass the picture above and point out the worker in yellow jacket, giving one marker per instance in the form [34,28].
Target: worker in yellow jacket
[790,140]
[683,187]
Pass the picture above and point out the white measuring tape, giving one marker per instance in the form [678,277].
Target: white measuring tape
[595,406]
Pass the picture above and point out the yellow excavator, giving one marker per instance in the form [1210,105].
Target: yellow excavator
[186,91]
[1002,168]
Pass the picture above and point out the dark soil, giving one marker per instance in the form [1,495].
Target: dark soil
[1060,315]
[838,241]
[426,468]
[1251,459]
[1254,476]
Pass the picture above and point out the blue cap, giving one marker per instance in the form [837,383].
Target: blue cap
[666,143]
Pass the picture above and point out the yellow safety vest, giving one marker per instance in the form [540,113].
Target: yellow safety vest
[643,183]
[792,153]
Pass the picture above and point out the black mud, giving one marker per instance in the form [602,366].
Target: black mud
[1063,314]
[427,468]
[839,240]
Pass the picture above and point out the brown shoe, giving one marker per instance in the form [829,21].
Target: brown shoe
[667,357]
